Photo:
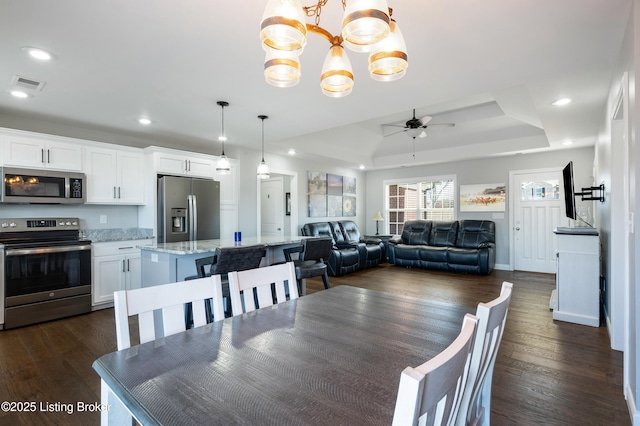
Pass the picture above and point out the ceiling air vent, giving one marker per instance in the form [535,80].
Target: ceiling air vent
[27,83]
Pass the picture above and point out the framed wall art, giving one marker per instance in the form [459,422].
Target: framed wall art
[486,197]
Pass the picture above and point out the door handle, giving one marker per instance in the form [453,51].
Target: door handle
[517,228]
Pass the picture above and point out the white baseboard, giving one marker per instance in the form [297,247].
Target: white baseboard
[631,405]
[502,267]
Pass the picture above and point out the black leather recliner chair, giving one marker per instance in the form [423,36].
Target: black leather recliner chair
[345,257]
[372,249]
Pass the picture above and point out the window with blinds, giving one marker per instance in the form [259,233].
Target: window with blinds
[427,199]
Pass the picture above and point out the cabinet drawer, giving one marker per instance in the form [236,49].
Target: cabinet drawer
[111,248]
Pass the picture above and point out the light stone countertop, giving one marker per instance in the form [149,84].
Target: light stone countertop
[209,246]
[116,234]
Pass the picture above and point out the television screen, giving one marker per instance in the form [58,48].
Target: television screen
[569,194]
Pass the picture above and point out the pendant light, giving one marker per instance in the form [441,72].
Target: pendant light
[263,169]
[223,167]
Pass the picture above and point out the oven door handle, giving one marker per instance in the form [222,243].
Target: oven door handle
[44,250]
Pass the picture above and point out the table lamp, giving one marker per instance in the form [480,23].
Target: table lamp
[377,217]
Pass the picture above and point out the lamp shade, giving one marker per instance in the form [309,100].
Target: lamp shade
[377,217]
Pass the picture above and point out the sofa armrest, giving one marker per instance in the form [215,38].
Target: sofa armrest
[397,240]
[370,240]
[346,244]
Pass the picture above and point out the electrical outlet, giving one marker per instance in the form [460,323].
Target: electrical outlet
[103,218]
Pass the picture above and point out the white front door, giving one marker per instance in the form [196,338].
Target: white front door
[538,201]
[272,207]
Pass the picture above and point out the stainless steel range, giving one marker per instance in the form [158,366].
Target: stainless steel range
[46,270]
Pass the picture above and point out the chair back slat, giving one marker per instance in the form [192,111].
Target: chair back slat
[243,283]
[476,404]
[431,393]
[170,299]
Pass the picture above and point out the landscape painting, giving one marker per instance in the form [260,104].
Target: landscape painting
[487,197]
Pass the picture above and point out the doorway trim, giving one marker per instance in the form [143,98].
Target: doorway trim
[294,201]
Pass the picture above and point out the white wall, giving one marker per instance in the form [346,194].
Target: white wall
[610,162]
[248,187]
[491,170]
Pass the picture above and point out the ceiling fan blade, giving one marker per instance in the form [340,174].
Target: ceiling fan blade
[441,124]
[394,125]
[426,119]
[394,133]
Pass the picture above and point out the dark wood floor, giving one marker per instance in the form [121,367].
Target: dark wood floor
[547,373]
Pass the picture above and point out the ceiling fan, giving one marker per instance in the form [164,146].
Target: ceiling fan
[415,127]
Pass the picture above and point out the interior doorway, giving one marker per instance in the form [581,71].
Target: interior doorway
[286,208]
[272,207]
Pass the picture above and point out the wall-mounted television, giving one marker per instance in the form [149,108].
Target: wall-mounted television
[569,193]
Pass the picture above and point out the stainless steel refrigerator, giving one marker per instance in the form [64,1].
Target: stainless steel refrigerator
[188,209]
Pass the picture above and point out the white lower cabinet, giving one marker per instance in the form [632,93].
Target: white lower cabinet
[116,266]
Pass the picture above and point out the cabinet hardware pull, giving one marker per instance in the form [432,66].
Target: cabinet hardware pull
[42,155]
[49,156]
[123,266]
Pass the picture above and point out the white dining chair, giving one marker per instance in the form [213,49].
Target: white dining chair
[476,401]
[431,393]
[252,289]
[170,299]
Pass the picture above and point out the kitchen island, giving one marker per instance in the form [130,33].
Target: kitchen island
[171,262]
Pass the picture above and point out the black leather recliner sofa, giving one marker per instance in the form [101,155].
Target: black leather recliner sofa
[460,246]
[351,252]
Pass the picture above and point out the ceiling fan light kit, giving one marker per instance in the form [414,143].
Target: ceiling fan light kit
[366,27]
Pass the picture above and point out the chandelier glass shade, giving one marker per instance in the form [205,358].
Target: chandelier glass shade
[263,169]
[365,23]
[337,75]
[283,26]
[366,27]
[223,166]
[281,68]
[388,58]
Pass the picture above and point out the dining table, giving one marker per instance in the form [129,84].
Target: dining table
[328,358]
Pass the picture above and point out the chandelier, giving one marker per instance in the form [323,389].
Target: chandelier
[366,27]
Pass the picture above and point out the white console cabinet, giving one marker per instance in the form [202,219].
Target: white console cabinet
[577,295]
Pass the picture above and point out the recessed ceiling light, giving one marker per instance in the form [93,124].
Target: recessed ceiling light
[361,166]
[19,94]
[292,151]
[561,102]
[567,142]
[144,121]
[37,53]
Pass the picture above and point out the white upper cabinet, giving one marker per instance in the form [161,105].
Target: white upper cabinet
[114,176]
[185,164]
[41,153]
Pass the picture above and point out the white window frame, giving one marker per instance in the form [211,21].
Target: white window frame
[416,180]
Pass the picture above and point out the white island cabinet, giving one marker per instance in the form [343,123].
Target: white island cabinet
[116,266]
[577,295]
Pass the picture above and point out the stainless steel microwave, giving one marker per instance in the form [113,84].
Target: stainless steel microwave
[31,186]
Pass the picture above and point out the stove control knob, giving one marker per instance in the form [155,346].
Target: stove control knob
[68,223]
[12,225]
[61,224]
[74,223]
[4,224]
